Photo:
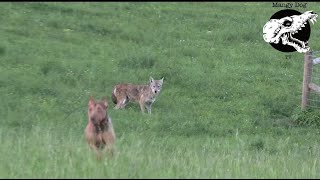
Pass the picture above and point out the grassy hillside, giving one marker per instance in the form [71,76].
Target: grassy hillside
[228,108]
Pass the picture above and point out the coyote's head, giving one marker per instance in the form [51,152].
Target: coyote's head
[156,85]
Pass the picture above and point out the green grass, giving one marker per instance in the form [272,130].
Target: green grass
[229,108]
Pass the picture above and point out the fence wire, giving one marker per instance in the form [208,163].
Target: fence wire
[314,97]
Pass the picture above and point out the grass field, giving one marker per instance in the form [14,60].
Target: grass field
[228,109]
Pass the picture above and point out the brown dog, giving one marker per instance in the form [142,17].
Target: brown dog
[99,131]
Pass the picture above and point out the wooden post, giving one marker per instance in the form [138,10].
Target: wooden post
[306,79]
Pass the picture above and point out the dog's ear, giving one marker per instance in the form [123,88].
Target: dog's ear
[162,80]
[151,79]
[105,102]
[91,101]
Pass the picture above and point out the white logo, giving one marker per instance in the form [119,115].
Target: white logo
[284,29]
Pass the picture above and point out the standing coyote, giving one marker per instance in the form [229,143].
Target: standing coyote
[145,95]
[99,131]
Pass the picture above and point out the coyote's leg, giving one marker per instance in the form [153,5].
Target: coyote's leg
[148,106]
[142,106]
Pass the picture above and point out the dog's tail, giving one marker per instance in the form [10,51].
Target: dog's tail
[114,98]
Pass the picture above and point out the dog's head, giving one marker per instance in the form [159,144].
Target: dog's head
[156,85]
[97,110]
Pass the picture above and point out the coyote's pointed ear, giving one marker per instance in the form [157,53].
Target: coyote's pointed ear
[105,102]
[151,79]
[162,79]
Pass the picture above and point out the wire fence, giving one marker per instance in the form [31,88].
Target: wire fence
[311,81]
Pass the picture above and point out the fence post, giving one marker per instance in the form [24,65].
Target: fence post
[306,79]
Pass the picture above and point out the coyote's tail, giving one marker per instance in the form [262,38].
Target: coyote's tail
[114,98]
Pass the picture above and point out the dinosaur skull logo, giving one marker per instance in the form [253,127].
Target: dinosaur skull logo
[289,30]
